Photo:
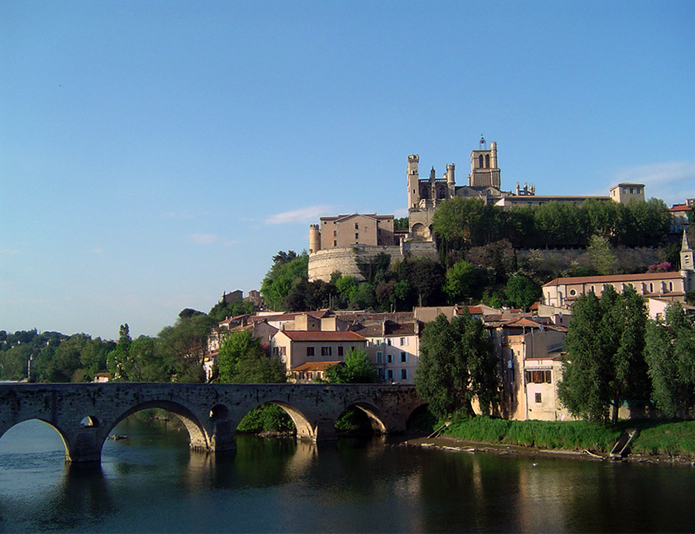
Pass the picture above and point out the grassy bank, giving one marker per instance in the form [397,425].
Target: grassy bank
[655,437]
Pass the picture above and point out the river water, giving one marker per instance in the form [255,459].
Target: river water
[150,482]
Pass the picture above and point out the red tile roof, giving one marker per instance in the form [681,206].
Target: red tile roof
[612,278]
[314,366]
[302,335]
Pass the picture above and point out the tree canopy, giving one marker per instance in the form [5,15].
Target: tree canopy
[457,364]
[355,369]
[605,354]
[242,360]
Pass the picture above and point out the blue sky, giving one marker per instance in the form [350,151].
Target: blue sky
[156,154]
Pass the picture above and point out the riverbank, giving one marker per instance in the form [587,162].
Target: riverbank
[667,442]
[454,444]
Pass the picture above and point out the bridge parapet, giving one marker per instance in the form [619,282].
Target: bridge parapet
[85,414]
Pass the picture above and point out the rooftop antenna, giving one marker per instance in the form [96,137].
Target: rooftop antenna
[483,144]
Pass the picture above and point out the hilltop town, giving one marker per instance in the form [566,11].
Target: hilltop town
[357,250]
[370,284]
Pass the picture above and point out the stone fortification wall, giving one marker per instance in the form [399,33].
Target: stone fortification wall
[324,263]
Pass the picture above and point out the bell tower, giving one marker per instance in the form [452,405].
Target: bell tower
[484,170]
[413,181]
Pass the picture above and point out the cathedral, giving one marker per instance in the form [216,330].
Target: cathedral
[424,195]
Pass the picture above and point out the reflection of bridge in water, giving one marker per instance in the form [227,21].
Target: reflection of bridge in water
[85,414]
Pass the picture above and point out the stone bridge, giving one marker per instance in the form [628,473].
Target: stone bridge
[85,414]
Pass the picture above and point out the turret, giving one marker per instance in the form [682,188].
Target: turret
[450,179]
[493,155]
[314,238]
[413,177]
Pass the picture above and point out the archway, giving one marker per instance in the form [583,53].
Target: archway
[199,438]
[34,436]
[360,419]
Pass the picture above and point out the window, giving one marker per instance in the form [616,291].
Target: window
[357,236]
[326,351]
[340,350]
[404,357]
[388,342]
[539,377]
[335,243]
[404,374]
[379,356]
[357,226]
[389,374]
[335,233]
[310,351]
[404,342]
[389,358]
[538,398]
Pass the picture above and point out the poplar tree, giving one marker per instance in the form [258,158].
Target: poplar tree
[457,364]
[670,354]
[605,354]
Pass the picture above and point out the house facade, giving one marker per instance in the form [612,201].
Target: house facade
[295,348]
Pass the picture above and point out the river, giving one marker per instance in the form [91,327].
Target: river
[150,482]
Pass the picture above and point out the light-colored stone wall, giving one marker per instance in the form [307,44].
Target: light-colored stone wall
[324,263]
[344,231]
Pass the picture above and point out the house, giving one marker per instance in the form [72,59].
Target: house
[562,292]
[531,366]
[297,347]
[393,348]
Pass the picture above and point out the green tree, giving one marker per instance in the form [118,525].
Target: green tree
[220,311]
[670,355]
[462,282]
[603,259]
[277,284]
[241,360]
[356,369]
[457,364]
[605,354]
[522,291]
[184,344]
[461,223]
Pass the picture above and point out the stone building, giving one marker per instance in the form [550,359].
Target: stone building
[425,195]
[348,230]
[669,286]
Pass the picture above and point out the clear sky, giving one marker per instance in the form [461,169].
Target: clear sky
[156,154]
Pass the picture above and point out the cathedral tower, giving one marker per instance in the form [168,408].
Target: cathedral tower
[484,170]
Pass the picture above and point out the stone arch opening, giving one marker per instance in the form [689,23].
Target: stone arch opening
[421,419]
[197,434]
[360,418]
[90,421]
[268,417]
[33,434]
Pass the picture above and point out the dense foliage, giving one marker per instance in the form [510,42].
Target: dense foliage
[51,357]
[605,354]
[241,360]
[670,354]
[355,369]
[457,365]
[462,223]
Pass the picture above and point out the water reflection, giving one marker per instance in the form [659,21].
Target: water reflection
[151,482]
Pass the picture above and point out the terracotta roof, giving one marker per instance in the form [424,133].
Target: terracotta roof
[314,366]
[303,335]
[612,278]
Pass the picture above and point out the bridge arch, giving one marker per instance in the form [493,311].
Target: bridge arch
[373,414]
[63,436]
[198,435]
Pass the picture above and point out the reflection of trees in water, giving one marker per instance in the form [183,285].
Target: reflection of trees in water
[83,498]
